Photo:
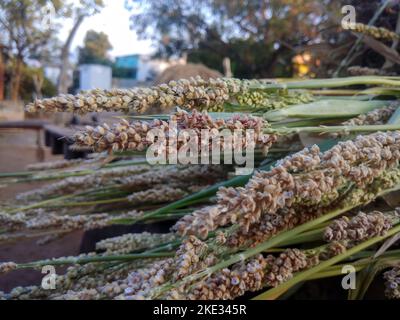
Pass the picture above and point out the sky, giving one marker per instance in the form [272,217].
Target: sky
[114,21]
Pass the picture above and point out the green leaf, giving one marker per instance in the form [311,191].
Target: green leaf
[323,109]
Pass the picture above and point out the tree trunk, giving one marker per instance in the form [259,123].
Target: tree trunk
[38,80]
[62,82]
[1,76]
[226,64]
[16,78]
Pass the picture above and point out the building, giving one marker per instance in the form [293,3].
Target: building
[126,66]
[95,76]
[127,71]
[131,70]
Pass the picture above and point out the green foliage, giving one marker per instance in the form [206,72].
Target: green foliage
[95,49]
[258,36]
[249,58]
[23,27]
[82,7]
[27,91]
[261,37]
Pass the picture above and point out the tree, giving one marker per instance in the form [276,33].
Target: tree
[2,72]
[95,48]
[258,36]
[78,14]
[25,31]
[261,37]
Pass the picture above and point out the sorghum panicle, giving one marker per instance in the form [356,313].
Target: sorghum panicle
[228,284]
[189,94]
[7,267]
[141,281]
[134,241]
[359,228]
[374,117]
[358,162]
[188,257]
[72,184]
[135,136]
[375,32]
[281,268]
[158,194]
[392,284]
[365,71]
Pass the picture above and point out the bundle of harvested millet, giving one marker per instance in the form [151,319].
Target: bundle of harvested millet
[182,129]
[189,94]
[356,163]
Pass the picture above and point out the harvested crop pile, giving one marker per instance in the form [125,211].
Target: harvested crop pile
[304,212]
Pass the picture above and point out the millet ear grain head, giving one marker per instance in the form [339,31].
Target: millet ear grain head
[357,162]
[186,93]
[392,284]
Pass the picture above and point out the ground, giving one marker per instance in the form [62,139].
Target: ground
[18,149]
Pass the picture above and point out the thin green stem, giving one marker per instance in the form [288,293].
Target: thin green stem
[310,236]
[272,242]
[333,129]
[395,118]
[84,260]
[304,275]
[40,204]
[90,203]
[330,83]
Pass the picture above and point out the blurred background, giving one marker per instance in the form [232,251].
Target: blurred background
[48,47]
[52,47]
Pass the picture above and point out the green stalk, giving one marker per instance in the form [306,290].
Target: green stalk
[317,234]
[90,203]
[290,123]
[40,204]
[54,200]
[270,243]
[368,254]
[124,163]
[84,260]
[12,237]
[304,275]
[211,191]
[359,265]
[16,174]
[196,197]
[330,83]
[381,91]
[337,92]
[32,176]
[333,129]
[310,236]
[395,118]
[57,176]
[334,271]
[325,109]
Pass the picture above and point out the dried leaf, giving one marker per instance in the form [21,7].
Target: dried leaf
[392,199]
[387,244]
[309,139]
[382,49]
